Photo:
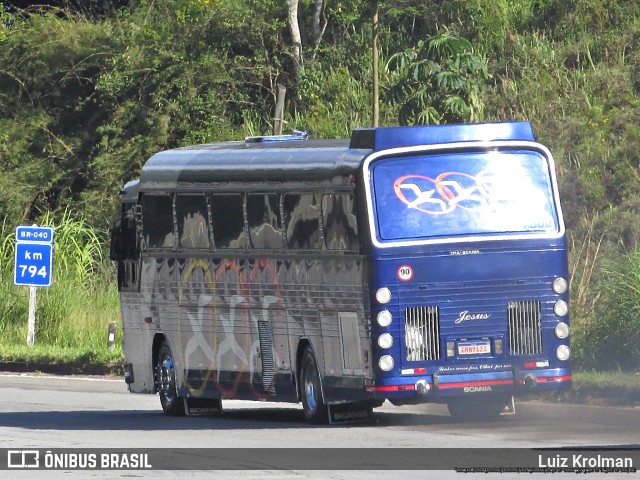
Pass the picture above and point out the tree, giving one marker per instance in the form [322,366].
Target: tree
[319,23]
[296,37]
[375,112]
[438,81]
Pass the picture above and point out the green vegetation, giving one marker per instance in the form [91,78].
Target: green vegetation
[86,96]
[439,81]
[604,388]
[73,315]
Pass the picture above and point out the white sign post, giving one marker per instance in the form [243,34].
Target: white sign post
[34,266]
[31,320]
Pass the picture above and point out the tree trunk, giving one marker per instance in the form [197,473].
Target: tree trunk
[374,53]
[319,23]
[296,38]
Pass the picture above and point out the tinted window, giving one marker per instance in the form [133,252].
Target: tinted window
[227,219]
[339,222]
[443,195]
[157,221]
[193,225]
[302,218]
[265,225]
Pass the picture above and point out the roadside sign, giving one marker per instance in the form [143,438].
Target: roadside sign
[34,234]
[34,256]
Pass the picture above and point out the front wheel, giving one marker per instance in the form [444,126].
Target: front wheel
[315,410]
[172,404]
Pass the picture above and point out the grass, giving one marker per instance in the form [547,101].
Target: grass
[623,380]
[73,315]
[80,358]
[611,388]
[598,388]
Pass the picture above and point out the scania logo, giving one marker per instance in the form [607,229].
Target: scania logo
[482,388]
[353,415]
[465,315]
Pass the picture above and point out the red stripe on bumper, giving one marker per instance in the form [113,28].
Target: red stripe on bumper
[475,384]
[390,388]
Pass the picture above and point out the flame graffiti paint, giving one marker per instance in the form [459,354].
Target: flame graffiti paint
[234,347]
[198,340]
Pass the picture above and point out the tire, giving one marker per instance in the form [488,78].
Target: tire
[477,409]
[315,410]
[172,404]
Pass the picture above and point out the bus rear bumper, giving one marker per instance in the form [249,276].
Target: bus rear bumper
[433,387]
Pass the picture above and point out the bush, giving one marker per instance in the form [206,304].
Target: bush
[610,339]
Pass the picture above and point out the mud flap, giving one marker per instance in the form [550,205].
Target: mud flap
[350,413]
[202,406]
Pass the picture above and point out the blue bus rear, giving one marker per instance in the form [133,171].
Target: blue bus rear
[468,265]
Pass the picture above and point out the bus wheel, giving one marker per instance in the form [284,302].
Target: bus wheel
[477,409]
[315,410]
[172,404]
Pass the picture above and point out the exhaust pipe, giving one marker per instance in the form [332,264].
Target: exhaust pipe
[422,387]
[530,381]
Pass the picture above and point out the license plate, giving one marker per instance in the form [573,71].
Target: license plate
[473,348]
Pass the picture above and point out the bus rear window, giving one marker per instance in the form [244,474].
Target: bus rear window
[476,193]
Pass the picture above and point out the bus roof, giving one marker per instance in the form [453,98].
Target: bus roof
[304,160]
[395,137]
[252,161]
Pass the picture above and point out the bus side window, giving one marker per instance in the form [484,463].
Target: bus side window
[157,221]
[265,224]
[124,249]
[116,245]
[129,239]
[227,217]
[193,224]
[339,222]
[124,241]
[302,219]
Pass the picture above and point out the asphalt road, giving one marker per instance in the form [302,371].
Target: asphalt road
[48,412]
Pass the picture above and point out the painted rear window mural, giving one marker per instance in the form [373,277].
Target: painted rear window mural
[475,193]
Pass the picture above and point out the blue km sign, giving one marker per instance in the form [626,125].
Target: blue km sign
[34,256]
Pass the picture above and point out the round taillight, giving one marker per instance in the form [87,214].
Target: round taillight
[385,340]
[563,353]
[383,295]
[561,308]
[560,285]
[384,318]
[562,330]
[385,363]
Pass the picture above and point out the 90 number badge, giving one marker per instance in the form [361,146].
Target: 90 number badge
[404,273]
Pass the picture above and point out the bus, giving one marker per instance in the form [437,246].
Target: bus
[404,264]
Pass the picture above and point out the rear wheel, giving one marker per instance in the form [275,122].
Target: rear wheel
[172,404]
[315,410]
